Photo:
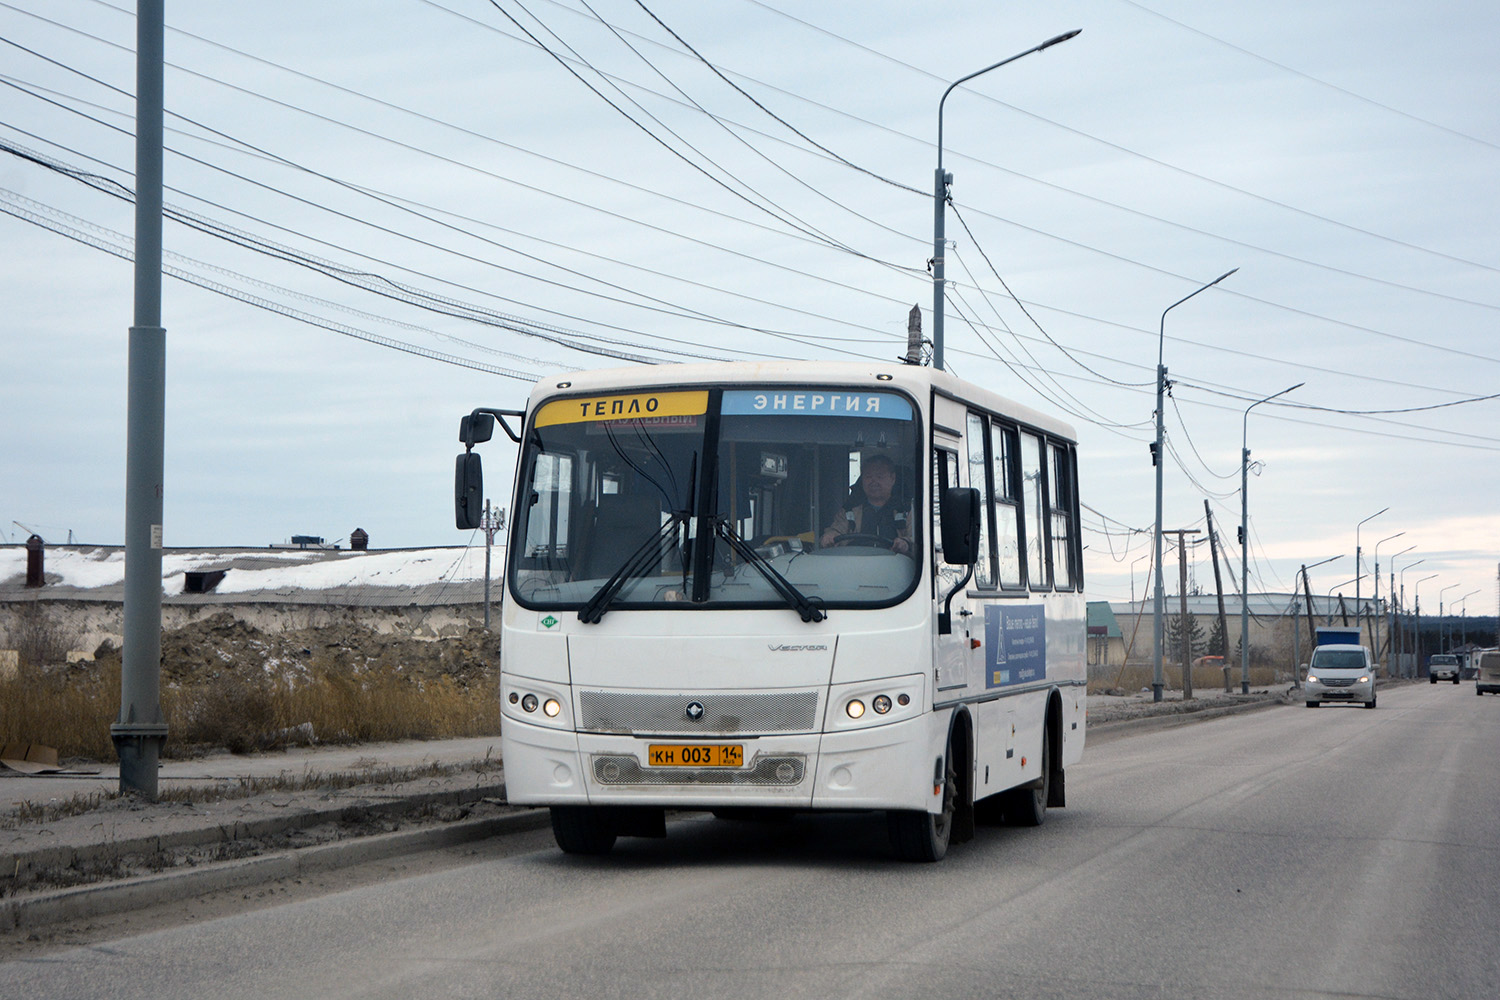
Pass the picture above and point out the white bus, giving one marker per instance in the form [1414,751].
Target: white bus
[752,588]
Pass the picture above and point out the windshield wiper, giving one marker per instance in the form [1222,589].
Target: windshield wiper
[633,566]
[798,601]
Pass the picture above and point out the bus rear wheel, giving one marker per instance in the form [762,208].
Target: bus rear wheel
[923,836]
[582,830]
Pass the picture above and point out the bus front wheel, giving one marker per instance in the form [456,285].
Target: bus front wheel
[582,830]
[923,836]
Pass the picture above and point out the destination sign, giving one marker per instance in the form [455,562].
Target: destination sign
[635,406]
[816,403]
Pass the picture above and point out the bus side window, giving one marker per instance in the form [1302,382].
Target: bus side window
[1034,508]
[1060,499]
[1007,505]
[984,576]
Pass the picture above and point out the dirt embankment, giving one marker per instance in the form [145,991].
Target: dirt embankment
[224,646]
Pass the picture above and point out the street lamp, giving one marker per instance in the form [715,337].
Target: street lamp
[1402,577]
[1245,537]
[1359,566]
[940,194]
[1416,600]
[1390,617]
[1375,628]
[1441,616]
[1463,601]
[1328,599]
[1463,627]
[1312,634]
[1156,460]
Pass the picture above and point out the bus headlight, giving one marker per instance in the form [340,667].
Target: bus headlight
[528,703]
[551,707]
[855,708]
[881,704]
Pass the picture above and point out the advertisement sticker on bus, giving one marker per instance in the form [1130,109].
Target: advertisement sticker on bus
[1015,643]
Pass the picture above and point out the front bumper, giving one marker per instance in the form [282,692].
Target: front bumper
[1356,692]
[880,767]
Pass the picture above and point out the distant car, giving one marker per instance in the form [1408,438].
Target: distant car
[1442,667]
[1345,673]
[1488,678]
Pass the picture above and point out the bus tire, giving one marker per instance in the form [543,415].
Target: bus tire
[918,835]
[582,830]
[1027,805]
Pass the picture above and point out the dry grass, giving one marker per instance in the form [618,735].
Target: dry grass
[1139,675]
[72,709]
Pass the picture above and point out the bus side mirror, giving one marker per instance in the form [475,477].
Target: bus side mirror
[468,489]
[960,526]
[476,428]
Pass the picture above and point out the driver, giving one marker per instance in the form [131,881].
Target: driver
[878,514]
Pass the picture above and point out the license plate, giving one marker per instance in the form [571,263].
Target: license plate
[681,755]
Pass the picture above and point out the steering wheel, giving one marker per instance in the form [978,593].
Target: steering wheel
[863,539]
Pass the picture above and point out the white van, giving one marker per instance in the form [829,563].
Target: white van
[1488,677]
[1344,673]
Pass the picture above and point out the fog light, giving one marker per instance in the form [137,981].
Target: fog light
[881,704]
[855,709]
[528,703]
[785,772]
[550,708]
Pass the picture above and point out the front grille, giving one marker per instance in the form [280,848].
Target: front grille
[777,769]
[723,714]
[1338,682]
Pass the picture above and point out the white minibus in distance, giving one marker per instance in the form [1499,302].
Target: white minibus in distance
[757,587]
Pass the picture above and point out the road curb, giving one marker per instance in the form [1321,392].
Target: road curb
[1171,720]
[19,864]
[33,911]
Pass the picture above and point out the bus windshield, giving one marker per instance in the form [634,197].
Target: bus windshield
[797,493]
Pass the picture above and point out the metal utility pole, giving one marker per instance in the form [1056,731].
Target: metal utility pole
[1245,537]
[1157,459]
[940,197]
[1358,565]
[140,731]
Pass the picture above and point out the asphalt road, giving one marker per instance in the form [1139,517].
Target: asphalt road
[1283,853]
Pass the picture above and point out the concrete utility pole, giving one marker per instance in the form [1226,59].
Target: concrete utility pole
[1158,681]
[1213,548]
[140,731]
[1187,633]
[494,521]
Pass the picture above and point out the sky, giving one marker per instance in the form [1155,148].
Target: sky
[385,213]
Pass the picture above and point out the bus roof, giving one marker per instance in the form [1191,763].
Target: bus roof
[919,380]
